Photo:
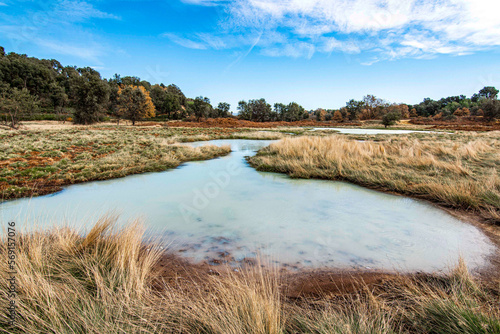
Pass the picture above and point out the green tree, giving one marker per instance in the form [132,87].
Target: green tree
[391,118]
[113,106]
[201,107]
[428,107]
[244,111]
[488,92]
[294,112]
[166,103]
[130,81]
[280,111]
[175,90]
[91,96]
[260,110]
[354,109]
[135,103]
[19,102]
[222,109]
[59,98]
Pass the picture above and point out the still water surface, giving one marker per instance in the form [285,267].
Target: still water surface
[223,207]
[360,131]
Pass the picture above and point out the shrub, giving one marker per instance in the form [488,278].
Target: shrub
[491,109]
[391,118]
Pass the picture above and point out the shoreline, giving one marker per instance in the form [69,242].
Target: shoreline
[50,189]
[173,269]
[491,231]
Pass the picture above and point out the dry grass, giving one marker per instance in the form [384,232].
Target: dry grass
[73,284]
[103,283]
[456,170]
[246,302]
[39,162]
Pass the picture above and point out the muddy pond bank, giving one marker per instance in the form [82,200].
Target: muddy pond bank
[224,212]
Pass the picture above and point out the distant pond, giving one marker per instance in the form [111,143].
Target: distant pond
[224,209]
[360,131]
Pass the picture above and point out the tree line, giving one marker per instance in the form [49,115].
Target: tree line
[485,103]
[30,86]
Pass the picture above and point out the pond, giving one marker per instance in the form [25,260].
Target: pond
[224,209]
[359,131]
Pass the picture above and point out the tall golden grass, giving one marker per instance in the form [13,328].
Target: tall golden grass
[102,282]
[457,171]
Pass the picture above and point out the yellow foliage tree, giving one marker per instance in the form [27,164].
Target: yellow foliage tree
[135,103]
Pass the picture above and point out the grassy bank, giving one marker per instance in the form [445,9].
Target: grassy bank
[461,171]
[40,161]
[108,282]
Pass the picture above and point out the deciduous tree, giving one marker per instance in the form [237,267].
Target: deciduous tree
[135,103]
[17,103]
[337,116]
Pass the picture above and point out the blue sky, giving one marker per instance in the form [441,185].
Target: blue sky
[319,53]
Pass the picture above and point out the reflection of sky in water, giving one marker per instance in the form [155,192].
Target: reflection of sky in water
[223,205]
[371,131]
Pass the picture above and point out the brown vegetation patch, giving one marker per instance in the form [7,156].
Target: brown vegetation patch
[34,163]
[472,123]
[237,123]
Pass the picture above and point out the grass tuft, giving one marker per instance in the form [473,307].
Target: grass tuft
[107,282]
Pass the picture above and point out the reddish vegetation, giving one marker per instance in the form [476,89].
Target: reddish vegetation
[44,185]
[460,124]
[236,123]
[471,127]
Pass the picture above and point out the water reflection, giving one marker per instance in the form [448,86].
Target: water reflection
[224,210]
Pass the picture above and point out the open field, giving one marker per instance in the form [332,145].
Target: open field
[461,171]
[109,281]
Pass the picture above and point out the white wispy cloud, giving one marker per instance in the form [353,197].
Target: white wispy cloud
[185,42]
[206,2]
[295,50]
[54,26]
[75,10]
[88,52]
[389,28]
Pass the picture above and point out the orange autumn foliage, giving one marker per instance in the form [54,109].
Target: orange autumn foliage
[135,103]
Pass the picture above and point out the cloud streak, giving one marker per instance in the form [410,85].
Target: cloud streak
[385,29]
[55,26]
